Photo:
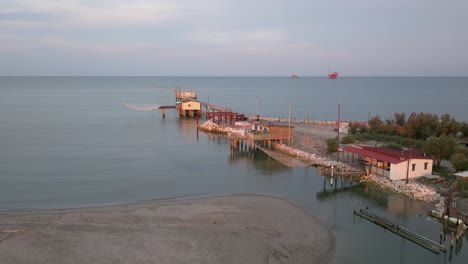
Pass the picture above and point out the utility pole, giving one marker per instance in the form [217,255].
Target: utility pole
[307,130]
[338,137]
[410,151]
[256,115]
[289,124]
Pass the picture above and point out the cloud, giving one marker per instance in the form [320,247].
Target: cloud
[212,34]
[127,13]
[27,16]
[4,37]
[237,38]
[94,13]
[11,43]
[31,11]
[99,48]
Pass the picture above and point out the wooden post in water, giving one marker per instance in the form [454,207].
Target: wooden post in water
[342,176]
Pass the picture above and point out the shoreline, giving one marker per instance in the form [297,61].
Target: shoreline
[309,144]
[236,228]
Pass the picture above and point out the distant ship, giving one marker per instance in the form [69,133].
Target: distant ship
[333,75]
[294,76]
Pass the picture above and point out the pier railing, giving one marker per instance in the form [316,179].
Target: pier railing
[304,121]
[403,232]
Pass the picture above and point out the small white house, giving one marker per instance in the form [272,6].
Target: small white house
[191,105]
[344,128]
[240,128]
[391,163]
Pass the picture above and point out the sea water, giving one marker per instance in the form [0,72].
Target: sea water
[88,141]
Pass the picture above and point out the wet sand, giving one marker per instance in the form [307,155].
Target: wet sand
[240,228]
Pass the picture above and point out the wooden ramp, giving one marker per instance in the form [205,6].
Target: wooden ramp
[285,159]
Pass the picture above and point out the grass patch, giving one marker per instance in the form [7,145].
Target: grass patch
[389,139]
[442,171]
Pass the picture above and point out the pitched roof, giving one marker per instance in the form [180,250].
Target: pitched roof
[386,154]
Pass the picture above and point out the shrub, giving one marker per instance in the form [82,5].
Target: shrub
[332,145]
[459,159]
[348,139]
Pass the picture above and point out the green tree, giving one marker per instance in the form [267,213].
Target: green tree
[448,125]
[356,127]
[376,125]
[425,125]
[353,128]
[459,159]
[464,129]
[400,118]
[440,148]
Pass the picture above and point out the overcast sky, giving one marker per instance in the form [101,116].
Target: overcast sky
[234,37]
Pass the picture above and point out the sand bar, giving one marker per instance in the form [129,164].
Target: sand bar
[240,228]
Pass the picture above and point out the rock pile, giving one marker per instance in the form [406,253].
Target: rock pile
[414,190]
[311,157]
[209,126]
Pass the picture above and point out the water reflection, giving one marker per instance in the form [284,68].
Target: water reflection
[362,241]
[331,190]
[258,160]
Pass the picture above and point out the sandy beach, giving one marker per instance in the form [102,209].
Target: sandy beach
[241,228]
[312,138]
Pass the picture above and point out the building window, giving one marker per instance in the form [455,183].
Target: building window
[413,168]
[425,165]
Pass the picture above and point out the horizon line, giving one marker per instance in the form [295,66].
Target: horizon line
[250,76]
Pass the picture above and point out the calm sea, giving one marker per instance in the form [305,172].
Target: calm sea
[87,141]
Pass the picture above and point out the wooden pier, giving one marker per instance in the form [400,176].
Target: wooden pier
[187,104]
[164,107]
[339,171]
[401,231]
[227,117]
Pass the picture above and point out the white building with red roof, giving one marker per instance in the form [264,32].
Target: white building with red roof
[391,163]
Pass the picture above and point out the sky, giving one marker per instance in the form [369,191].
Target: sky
[234,37]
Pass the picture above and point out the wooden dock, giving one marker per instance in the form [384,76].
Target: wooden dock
[339,171]
[188,105]
[401,231]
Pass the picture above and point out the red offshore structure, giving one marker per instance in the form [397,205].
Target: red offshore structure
[333,75]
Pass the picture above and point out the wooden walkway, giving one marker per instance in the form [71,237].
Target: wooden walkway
[289,161]
[337,171]
[215,107]
[403,232]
